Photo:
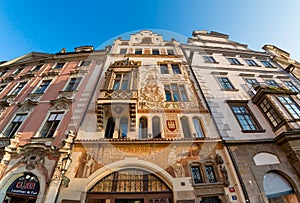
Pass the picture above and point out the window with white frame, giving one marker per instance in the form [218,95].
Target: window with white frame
[185,127]
[251,62]
[42,87]
[19,70]
[175,92]
[51,124]
[272,83]
[138,51]
[291,86]
[245,117]
[164,68]
[267,64]
[156,129]
[123,51]
[209,59]
[234,61]
[73,84]
[14,125]
[270,113]
[175,69]
[155,51]
[290,105]
[225,83]
[37,67]
[2,87]
[18,88]
[121,81]
[59,65]
[198,127]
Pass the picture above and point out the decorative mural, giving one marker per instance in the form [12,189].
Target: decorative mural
[173,157]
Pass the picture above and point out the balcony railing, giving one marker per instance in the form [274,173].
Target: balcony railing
[254,89]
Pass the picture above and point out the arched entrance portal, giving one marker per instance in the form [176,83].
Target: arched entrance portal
[278,189]
[24,189]
[130,186]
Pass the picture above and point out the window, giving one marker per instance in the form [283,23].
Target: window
[225,83]
[2,87]
[51,124]
[164,69]
[170,52]
[196,174]
[267,64]
[185,127]
[143,127]
[291,86]
[19,70]
[176,69]
[59,65]
[110,128]
[234,61]
[210,174]
[175,93]
[156,127]
[73,84]
[121,81]
[18,88]
[138,51]
[43,86]
[271,114]
[251,62]
[198,127]
[123,127]
[290,105]
[15,125]
[37,67]
[251,81]
[271,83]
[155,51]
[123,51]
[209,59]
[85,63]
[244,118]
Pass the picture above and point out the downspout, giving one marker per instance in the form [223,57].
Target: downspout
[189,60]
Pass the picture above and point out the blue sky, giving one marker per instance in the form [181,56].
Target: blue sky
[48,26]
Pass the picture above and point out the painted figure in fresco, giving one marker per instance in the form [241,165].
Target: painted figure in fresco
[174,162]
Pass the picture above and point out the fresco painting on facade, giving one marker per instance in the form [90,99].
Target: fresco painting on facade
[151,120]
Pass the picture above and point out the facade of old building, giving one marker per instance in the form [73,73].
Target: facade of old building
[284,59]
[255,104]
[151,137]
[43,98]
[151,120]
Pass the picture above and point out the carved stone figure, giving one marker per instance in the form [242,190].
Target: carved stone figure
[225,175]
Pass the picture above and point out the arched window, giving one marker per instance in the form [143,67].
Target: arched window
[198,127]
[156,127]
[278,189]
[143,127]
[123,127]
[185,127]
[110,127]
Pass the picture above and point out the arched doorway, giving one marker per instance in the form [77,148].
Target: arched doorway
[130,186]
[24,189]
[278,189]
